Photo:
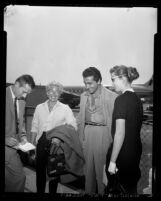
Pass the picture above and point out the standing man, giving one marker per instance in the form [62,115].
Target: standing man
[15,132]
[94,124]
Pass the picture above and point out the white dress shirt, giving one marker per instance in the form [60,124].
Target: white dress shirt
[44,120]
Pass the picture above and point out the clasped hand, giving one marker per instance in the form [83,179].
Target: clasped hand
[11,142]
[112,169]
[14,143]
[55,141]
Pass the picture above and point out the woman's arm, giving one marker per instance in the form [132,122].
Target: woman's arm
[34,126]
[118,141]
[70,119]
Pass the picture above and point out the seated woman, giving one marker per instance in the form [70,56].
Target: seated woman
[48,115]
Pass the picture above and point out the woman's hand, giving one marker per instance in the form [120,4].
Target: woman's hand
[56,141]
[112,169]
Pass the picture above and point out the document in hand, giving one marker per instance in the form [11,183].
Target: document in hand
[26,147]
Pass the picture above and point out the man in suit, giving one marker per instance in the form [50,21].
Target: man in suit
[94,127]
[15,132]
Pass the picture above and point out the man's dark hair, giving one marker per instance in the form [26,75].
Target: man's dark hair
[92,71]
[26,79]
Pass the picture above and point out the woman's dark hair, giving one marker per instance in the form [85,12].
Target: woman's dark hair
[92,71]
[130,72]
[26,79]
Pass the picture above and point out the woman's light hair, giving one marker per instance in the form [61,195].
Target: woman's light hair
[130,73]
[54,84]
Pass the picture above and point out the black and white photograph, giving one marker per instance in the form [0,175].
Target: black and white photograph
[79,100]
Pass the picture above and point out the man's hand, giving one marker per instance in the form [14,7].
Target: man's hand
[104,180]
[23,140]
[11,142]
[112,169]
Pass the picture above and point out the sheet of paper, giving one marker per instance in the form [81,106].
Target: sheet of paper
[26,147]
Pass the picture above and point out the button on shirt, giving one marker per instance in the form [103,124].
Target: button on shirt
[43,120]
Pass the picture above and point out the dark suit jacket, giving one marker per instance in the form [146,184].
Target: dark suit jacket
[10,128]
[14,174]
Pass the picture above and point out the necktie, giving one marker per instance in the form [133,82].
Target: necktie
[91,103]
[16,115]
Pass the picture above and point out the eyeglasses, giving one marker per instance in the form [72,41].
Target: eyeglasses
[113,78]
[52,93]
[119,76]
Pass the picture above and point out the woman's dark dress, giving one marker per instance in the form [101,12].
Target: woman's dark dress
[129,107]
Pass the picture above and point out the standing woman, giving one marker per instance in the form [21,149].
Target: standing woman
[48,115]
[126,126]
